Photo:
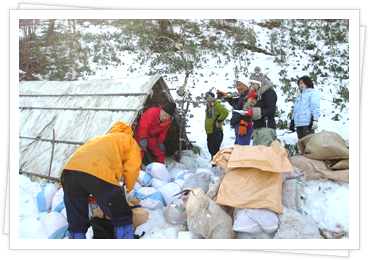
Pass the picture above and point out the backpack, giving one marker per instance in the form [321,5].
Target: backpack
[104,229]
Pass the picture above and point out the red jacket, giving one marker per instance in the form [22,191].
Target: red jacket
[148,125]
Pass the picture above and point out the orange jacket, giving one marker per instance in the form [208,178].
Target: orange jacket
[110,157]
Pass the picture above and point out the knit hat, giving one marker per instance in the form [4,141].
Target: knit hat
[169,108]
[209,95]
[243,80]
[257,77]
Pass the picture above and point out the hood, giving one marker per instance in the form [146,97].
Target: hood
[121,127]
[268,84]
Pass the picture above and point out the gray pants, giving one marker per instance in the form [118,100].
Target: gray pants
[264,136]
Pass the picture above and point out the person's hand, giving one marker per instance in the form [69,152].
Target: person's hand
[161,146]
[220,94]
[218,125]
[143,143]
[314,123]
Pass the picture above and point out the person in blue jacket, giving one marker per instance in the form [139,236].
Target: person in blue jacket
[306,109]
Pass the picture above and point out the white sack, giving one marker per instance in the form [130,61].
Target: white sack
[144,179]
[183,175]
[255,221]
[201,180]
[243,223]
[159,171]
[54,225]
[157,183]
[150,198]
[176,213]
[168,190]
[43,197]
[266,219]
[58,204]
[137,186]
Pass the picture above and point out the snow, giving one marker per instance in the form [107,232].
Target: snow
[326,200]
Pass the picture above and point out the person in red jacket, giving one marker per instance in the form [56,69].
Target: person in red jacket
[152,128]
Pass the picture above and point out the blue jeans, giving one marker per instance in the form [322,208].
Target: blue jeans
[243,140]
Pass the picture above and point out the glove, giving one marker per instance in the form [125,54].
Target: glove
[246,118]
[242,128]
[161,147]
[314,124]
[292,126]
[248,115]
[143,143]
[220,94]
[249,112]
[252,94]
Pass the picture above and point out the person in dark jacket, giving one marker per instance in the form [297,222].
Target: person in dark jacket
[152,129]
[264,125]
[306,109]
[215,115]
[242,124]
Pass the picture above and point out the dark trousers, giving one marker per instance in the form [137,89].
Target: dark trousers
[214,141]
[78,186]
[303,131]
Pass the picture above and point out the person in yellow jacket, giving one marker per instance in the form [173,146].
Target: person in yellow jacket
[96,168]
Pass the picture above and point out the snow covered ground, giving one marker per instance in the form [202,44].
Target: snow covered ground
[327,201]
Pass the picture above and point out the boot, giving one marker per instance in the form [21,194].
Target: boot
[124,232]
[77,235]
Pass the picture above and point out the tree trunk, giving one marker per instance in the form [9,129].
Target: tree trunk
[50,30]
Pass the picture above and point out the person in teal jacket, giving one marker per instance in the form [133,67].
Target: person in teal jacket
[215,115]
[306,109]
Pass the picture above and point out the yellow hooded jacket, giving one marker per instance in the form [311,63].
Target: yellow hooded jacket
[110,157]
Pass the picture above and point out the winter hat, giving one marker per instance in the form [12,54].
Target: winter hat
[209,95]
[245,81]
[257,77]
[169,108]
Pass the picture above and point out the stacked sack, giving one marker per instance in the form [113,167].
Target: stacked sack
[323,155]
[257,191]
[49,198]
[155,189]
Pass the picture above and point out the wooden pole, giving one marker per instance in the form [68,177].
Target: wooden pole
[52,153]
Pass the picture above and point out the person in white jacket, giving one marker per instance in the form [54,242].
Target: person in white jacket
[306,109]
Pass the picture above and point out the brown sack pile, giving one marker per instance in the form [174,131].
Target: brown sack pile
[323,155]
[140,216]
[254,177]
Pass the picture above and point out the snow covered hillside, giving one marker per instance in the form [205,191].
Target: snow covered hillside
[282,51]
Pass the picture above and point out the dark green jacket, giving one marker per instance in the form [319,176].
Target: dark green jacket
[219,114]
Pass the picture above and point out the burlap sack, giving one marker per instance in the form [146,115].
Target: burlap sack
[337,164]
[324,146]
[252,189]
[206,218]
[294,225]
[140,216]
[269,159]
[254,177]
[291,194]
[222,157]
[317,169]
